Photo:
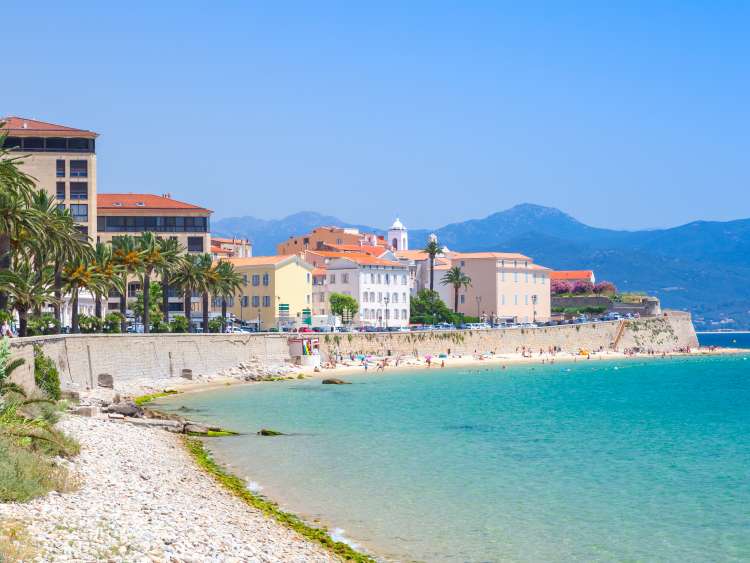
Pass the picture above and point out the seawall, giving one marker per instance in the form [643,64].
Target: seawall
[137,358]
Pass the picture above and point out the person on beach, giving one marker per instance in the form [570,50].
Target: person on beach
[442,363]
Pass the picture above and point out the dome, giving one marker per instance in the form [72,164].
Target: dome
[397,225]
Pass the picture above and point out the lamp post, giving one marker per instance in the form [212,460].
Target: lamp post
[386,300]
[533,302]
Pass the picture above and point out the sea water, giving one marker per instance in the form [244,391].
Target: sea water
[639,460]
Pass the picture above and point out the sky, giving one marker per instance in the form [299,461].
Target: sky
[624,114]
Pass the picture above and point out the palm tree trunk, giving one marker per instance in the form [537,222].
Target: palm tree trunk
[186,307]
[124,304]
[22,322]
[98,306]
[165,296]
[224,313]
[4,265]
[205,311]
[432,272]
[146,301]
[74,312]
[58,297]
[455,299]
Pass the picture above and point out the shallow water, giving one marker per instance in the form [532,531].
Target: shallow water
[624,460]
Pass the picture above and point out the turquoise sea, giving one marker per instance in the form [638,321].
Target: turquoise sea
[725,339]
[641,460]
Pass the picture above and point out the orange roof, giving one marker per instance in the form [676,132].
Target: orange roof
[319,272]
[142,201]
[261,260]
[219,250]
[365,259]
[572,275]
[494,255]
[372,250]
[411,254]
[28,127]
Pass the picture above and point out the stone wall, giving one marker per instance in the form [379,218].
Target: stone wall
[81,358]
[131,358]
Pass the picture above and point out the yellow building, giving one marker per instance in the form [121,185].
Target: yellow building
[62,160]
[275,290]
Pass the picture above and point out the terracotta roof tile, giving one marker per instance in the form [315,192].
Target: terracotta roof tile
[23,126]
[142,201]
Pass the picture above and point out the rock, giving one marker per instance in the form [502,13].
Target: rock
[72,395]
[86,410]
[116,416]
[268,432]
[105,380]
[192,428]
[126,409]
[334,381]
[187,374]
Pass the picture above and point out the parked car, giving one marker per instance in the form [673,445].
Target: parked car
[445,326]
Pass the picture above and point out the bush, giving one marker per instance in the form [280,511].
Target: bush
[605,288]
[112,322]
[38,325]
[559,287]
[160,326]
[179,324]
[25,474]
[45,374]
[215,325]
[583,288]
[89,324]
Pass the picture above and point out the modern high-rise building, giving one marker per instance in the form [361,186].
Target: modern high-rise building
[62,160]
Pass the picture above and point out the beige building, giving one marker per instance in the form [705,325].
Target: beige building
[275,290]
[321,237]
[504,286]
[63,162]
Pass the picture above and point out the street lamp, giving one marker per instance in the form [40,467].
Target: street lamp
[533,302]
[386,300]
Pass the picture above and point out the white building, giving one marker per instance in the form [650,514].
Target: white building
[398,236]
[381,287]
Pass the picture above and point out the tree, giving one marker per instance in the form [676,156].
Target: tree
[153,302]
[428,308]
[432,249]
[605,288]
[76,276]
[172,247]
[583,288]
[560,287]
[128,257]
[154,256]
[7,367]
[457,279]
[26,290]
[340,302]
[188,276]
[110,274]
[229,282]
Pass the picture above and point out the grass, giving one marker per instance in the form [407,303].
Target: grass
[237,486]
[143,399]
[15,544]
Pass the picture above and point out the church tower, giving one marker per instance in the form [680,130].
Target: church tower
[398,237]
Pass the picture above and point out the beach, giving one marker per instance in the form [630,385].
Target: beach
[141,497]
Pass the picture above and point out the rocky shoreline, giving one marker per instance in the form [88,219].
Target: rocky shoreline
[142,498]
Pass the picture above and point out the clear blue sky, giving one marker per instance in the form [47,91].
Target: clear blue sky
[624,114]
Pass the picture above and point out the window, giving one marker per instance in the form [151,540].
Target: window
[387,279]
[372,297]
[60,169]
[332,278]
[79,168]
[364,297]
[267,278]
[256,301]
[133,289]
[256,280]
[60,187]
[307,299]
[244,280]
[308,277]
[380,279]
[403,279]
[502,276]
[79,190]
[404,314]
[344,278]
[515,299]
[372,278]
[195,244]
[176,306]
[61,207]
[395,314]
[525,299]
[515,276]
[394,298]
[502,298]
[462,299]
[527,278]
[266,300]
[243,301]
[80,211]
[403,297]
[380,297]
[463,263]
[33,144]
[533,277]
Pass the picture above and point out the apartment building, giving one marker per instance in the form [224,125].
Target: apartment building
[275,290]
[504,286]
[63,162]
[321,236]
[231,248]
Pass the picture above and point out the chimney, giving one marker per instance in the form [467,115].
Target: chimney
[167,195]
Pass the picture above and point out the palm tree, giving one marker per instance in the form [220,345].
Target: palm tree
[110,274]
[208,282]
[432,249]
[176,251]
[456,277]
[154,256]
[80,275]
[229,282]
[27,290]
[188,276]
[128,257]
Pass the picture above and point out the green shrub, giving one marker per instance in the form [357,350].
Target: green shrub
[46,323]
[25,474]
[215,325]
[89,324]
[45,374]
[112,322]
[160,326]
[179,324]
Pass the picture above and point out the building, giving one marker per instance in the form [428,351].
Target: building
[321,236]
[380,286]
[573,276]
[231,247]
[504,287]
[62,160]
[398,236]
[133,214]
[275,293]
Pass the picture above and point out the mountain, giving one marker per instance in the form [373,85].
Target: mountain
[703,266]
